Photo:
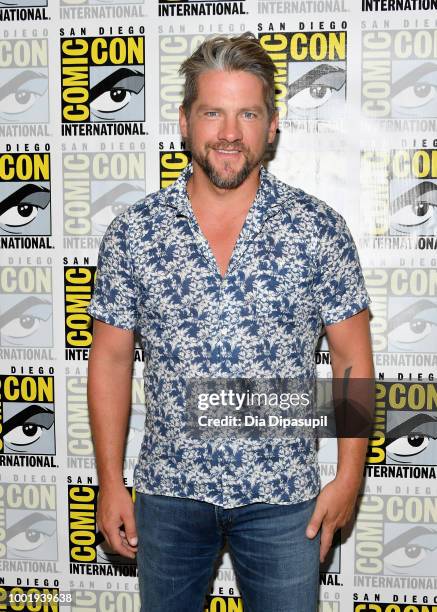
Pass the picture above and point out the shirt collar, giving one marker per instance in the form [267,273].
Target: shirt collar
[266,202]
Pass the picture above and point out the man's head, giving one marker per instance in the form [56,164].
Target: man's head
[228,111]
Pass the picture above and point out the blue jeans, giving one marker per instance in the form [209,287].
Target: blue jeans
[276,565]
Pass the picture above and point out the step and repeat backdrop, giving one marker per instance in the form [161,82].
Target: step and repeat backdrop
[89,97]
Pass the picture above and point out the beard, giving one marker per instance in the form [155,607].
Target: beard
[230,179]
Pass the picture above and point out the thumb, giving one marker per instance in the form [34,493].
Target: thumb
[315,521]
[130,528]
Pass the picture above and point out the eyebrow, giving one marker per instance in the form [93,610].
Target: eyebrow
[20,79]
[111,80]
[426,189]
[110,195]
[15,198]
[415,74]
[405,428]
[406,537]
[405,315]
[23,416]
[319,72]
[25,522]
[18,309]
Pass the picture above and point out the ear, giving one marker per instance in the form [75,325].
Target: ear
[183,122]
[273,127]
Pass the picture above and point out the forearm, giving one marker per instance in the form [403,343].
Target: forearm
[351,450]
[109,399]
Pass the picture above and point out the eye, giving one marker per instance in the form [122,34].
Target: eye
[411,331]
[249,115]
[22,326]
[111,101]
[31,534]
[104,216]
[18,102]
[211,113]
[416,95]
[24,434]
[407,556]
[417,213]
[408,446]
[311,97]
[19,215]
[28,321]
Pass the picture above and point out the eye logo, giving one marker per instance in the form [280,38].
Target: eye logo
[411,552]
[31,535]
[27,322]
[414,327]
[414,94]
[415,211]
[112,203]
[411,439]
[116,96]
[314,94]
[25,211]
[24,88]
[28,429]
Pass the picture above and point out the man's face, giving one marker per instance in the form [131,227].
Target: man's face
[228,128]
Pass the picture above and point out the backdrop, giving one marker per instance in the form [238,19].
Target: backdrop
[89,96]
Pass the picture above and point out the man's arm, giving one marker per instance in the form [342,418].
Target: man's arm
[109,398]
[351,354]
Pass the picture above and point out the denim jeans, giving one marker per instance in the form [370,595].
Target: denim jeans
[276,565]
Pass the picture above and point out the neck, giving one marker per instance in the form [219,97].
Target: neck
[203,193]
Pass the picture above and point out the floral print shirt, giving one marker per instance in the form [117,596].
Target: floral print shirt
[294,267]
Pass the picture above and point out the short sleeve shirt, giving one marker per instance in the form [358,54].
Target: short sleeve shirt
[294,268]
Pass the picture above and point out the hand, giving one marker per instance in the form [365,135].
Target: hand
[334,507]
[114,509]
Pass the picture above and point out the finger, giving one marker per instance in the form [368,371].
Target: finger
[326,541]
[126,543]
[115,542]
[315,521]
[130,527]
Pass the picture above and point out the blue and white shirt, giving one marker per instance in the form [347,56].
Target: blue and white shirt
[293,268]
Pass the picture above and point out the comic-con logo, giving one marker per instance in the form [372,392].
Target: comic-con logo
[171,164]
[102,80]
[223,603]
[310,79]
[78,287]
[404,307]
[25,194]
[99,186]
[396,535]
[173,50]
[24,81]
[399,70]
[27,415]
[86,543]
[26,306]
[391,606]
[28,522]
[405,427]
[399,192]
[104,600]
[187,8]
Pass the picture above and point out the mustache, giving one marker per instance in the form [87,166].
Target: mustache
[226,146]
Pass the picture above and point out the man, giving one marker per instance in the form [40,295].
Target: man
[227,273]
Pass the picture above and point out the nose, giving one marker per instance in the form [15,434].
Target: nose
[230,128]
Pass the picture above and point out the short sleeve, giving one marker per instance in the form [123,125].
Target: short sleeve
[115,294]
[339,282]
